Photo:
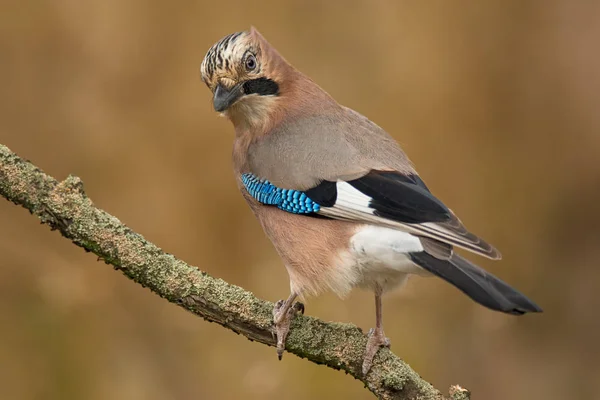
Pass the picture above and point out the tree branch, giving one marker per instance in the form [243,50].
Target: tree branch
[65,207]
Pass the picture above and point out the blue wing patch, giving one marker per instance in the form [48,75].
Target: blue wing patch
[293,201]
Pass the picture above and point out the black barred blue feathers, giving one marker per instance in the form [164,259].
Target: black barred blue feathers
[293,201]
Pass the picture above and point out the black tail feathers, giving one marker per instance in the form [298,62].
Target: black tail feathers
[476,283]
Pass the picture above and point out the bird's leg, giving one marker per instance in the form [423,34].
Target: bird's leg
[283,313]
[377,338]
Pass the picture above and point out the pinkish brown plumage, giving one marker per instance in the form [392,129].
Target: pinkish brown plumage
[337,196]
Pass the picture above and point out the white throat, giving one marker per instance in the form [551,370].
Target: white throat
[252,111]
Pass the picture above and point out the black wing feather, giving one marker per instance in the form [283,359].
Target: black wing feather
[402,198]
[324,194]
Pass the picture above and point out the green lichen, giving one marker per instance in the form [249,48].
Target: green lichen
[65,207]
[459,393]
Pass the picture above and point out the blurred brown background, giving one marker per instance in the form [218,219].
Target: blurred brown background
[497,104]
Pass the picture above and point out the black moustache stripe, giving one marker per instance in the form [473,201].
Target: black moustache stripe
[262,87]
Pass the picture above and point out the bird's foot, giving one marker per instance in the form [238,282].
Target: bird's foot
[376,340]
[283,314]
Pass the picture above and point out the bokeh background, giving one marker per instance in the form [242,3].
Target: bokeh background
[498,104]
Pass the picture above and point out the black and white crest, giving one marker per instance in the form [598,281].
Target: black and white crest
[223,54]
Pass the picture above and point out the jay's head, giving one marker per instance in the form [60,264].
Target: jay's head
[244,74]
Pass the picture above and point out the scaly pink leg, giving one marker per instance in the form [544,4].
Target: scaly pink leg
[377,338]
[283,313]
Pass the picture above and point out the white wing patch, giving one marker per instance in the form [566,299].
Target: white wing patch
[349,203]
[353,205]
[351,198]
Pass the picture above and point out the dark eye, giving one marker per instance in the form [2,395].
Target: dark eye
[250,63]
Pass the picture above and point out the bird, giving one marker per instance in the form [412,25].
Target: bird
[339,199]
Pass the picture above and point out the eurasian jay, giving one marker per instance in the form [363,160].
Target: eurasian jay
[337,196]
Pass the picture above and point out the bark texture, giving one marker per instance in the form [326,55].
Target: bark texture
[64,206]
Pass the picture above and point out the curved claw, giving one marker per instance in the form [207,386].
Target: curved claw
[376,340]
[299,307]
[282,319]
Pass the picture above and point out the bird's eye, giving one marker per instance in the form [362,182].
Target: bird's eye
[250,63]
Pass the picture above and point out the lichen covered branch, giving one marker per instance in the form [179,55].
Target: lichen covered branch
[65,207]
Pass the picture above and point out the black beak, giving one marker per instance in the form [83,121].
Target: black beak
[224,98]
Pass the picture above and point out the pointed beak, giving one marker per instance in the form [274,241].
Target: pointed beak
[224,98]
